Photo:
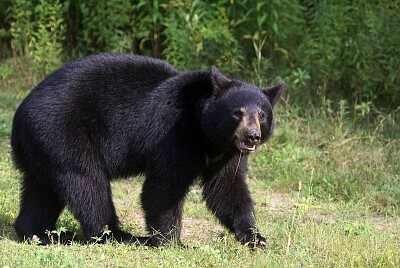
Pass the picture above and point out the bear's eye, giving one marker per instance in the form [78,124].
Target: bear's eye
[261,115]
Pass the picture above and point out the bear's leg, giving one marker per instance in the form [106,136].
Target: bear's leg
[226,194]
[162,202]
[40,208]
[89,199]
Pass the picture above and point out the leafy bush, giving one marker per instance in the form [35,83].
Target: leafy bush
[38,32]
[21,26]
[324,49]
[106,26]
[351,50]
[197,35]
[46,40]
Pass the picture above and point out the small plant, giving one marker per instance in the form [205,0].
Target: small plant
[260,63]
[216,253]
[103,238]
[326,107]
[35,240]
[22,26]
[364,109]
[46,42]
[343,110]
[58,233]
[300,77]
[5,71]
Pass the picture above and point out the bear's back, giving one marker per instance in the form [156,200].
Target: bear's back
[97,99]
[94,85]
[107,74]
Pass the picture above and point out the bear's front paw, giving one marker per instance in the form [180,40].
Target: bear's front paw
[251,239]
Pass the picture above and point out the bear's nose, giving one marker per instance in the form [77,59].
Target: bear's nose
[253,136]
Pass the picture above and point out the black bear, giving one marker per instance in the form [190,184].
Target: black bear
[114,115]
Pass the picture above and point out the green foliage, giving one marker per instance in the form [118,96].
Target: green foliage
[106,25]
[351,48]
[324,49]
[21,26]
[270,28]
[38,32]
[5,35]
[148,26]
[46,41]
[343,162]
[202,31]
[5,71]
[188,34]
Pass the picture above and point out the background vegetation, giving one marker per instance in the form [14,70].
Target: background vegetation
[325,49]
[327,185]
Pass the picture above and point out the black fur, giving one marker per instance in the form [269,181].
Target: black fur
[114,115]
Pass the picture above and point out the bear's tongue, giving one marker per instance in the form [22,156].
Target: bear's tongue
[247,147]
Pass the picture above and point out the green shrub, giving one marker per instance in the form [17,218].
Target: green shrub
[197,35]
[351,49]
[324,49]
[38,32]
[46,40]
[106,26]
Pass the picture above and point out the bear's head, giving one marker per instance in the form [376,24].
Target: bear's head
[238,116]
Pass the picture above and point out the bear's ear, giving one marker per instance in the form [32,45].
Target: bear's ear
[274,93]
[219,81]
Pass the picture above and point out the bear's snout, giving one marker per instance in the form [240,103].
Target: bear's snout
[253,136]
[247,139]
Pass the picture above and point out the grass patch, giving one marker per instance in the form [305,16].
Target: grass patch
[334,159]
[326,191]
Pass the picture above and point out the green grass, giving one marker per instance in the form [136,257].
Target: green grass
[326,191]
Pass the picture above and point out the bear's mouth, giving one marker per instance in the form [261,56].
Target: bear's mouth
[245,147]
